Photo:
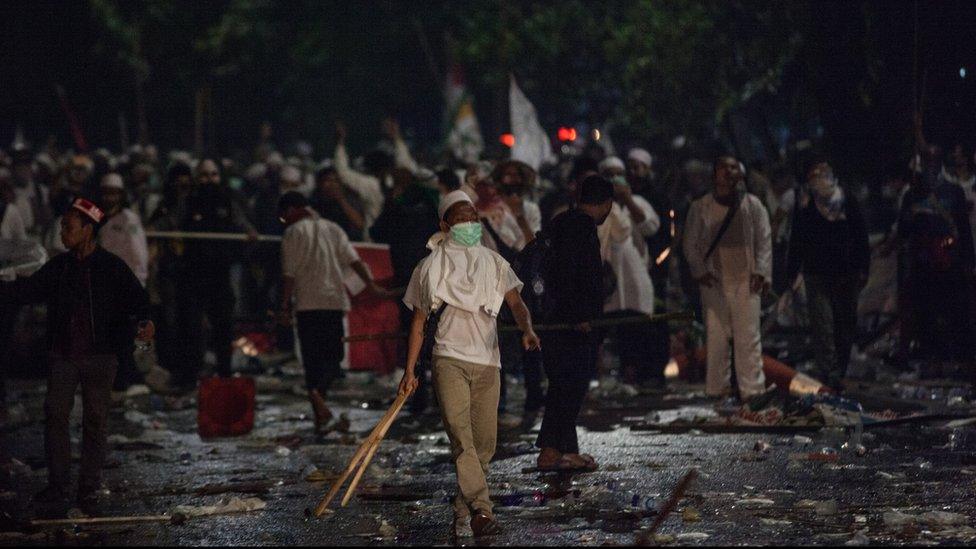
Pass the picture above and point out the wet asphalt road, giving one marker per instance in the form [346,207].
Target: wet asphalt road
[741,496]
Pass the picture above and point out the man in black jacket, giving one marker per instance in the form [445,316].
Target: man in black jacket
[574,281]
[829,245]
[93,305]
[203,274]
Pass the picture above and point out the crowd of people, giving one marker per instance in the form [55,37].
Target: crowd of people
[618,238]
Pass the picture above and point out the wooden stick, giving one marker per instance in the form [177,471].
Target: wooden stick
[363,448]
[209,236]
[369,456]
[100,520]
[679,491]
[599,323]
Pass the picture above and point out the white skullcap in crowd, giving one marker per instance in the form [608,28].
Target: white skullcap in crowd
[113,181]
[641,155]
[611,163]
[291,175]
[451,199]
[255,171]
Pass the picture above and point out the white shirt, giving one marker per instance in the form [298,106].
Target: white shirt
[507,226]
[785,202]
[315,252]
[124,236]
[365,186]
[461,334]
[12,225]
[629,259]
[704,219]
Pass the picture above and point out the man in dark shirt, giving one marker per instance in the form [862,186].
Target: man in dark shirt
[829,244]
[93,303]
[203,274]
[574,279]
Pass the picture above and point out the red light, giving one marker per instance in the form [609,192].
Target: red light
[567,134]
[507,139]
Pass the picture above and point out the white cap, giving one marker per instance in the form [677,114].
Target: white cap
[611,163]
[290,175]
[641,155]
[451,199]
[113,181]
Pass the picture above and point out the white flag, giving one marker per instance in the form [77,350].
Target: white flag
[532,145]
[464,138]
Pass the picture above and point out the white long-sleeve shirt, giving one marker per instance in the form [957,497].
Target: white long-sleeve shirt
[402,157]
[366,187]
[124,236]
[12,225]
[628,256]
[704,219]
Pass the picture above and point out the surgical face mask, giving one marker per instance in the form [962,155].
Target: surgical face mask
[619,180]
[466,234]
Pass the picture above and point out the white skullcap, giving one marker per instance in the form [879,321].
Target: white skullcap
[641,155]
[255,171]
[611,163]
[451,199]
[274,159]
[290,174]
[113,181]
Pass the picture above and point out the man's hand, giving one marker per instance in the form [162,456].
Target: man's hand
[515,203]
[380,291]
[252,235]
[340,132]
[409,383]
[758,284]
[147,331]
[708,280]
[531,341]
[584,327]
[622,193]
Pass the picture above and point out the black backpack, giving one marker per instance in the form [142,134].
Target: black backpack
[531,266]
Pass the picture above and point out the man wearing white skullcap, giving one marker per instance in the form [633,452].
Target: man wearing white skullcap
[733,267]
[612,166]
[123,235]
[462,286]
[657,248]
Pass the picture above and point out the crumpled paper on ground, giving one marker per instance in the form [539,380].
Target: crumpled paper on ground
[225,507]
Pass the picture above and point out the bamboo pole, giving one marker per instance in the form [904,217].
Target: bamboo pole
[209,236]
[100,520]
[599,323]
[369,456]
[358,456]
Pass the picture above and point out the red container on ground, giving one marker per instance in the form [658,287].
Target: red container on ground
[225,406]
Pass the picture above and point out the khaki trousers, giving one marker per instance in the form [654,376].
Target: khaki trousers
[468,397]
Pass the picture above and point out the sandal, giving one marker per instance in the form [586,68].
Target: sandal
[581,462]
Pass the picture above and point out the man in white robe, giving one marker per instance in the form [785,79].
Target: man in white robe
[732,278]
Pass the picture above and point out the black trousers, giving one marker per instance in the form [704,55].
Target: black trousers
[515,360]
[209,296]
[8,320]
[569,359]
[320,337]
